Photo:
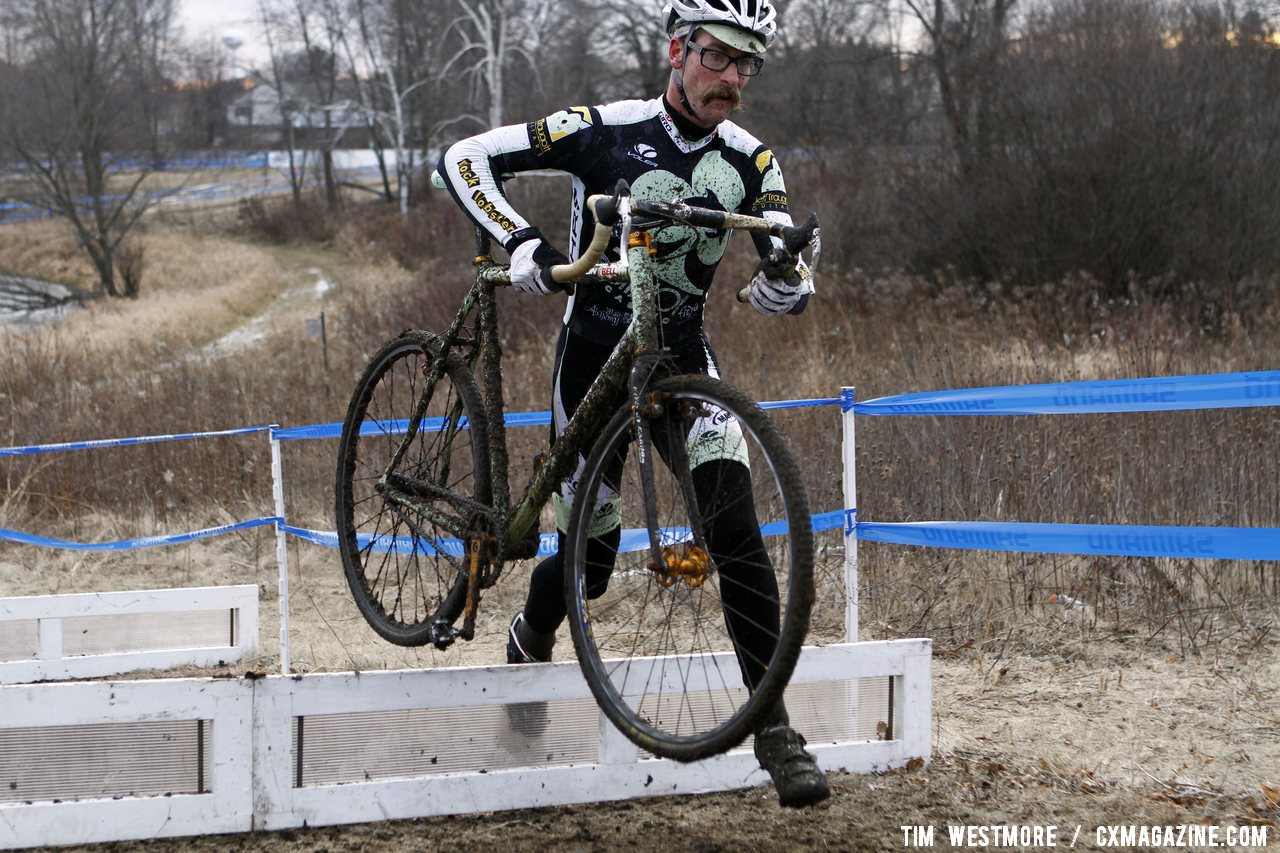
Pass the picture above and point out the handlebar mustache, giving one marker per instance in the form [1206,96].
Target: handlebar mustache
[722,90]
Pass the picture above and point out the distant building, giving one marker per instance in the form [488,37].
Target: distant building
[256,118]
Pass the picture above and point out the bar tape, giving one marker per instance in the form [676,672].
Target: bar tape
[1162,394]
[131,544]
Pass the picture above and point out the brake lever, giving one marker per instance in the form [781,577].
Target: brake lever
[781,263]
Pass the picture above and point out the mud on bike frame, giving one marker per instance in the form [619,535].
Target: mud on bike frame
[442,477]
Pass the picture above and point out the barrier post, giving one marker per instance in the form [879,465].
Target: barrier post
[850,484]
[282,550]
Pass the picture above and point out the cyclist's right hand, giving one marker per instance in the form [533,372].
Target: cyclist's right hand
[531,264]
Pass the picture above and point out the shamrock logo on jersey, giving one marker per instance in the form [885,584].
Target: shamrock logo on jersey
[565,122]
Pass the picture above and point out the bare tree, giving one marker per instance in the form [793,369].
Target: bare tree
[966,42]
[280,35]
[633,46]
[10,38]
[494,33]
[88,82]
[322,25]
[831,72]
[387,92]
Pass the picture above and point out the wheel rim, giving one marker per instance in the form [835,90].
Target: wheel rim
[659,650]
[404,569]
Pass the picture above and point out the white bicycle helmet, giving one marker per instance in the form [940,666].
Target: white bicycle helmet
[748,25]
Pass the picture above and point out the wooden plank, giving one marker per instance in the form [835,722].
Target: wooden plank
[244,596]
[50,611]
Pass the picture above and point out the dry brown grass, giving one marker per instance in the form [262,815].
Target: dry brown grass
[143,367]
[46,249]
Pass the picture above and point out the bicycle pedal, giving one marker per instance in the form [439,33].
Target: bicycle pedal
[442,634]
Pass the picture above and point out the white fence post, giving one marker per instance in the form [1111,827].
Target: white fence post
[282,550]
[50,633]
[850,481]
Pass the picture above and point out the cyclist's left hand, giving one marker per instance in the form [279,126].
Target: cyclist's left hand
[781,284]
[775,295]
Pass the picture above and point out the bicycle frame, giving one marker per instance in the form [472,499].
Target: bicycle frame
[503,531]
[641,337]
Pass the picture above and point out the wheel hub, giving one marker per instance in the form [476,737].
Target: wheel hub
[685,562]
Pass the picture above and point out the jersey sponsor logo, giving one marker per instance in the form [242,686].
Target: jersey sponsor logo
[561,124]
[490,210]
[538,136]
[770,201]
[683,144]
[468,174]
[763,160]
[645,153]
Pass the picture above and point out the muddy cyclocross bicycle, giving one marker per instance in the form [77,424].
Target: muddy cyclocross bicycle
[682,647]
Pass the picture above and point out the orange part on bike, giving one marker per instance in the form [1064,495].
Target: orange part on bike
[694,567]
[641,238]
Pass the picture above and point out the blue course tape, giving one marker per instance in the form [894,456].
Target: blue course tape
[123,442]
[633,539]
[1161,394]
[1210,543]
[398,427]
[512,419]
[131,544]
[800,404]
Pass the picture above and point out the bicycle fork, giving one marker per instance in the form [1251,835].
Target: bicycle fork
[668,561]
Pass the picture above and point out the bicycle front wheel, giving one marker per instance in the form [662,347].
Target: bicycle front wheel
[400,525]
[688,617]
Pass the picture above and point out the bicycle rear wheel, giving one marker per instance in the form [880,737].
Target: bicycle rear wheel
[404,559]
[657,642]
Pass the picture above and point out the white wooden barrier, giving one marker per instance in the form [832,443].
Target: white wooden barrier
[56,709]
[103,616]
[183,757]
[284,751]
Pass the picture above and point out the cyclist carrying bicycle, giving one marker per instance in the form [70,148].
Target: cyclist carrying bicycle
[677,146]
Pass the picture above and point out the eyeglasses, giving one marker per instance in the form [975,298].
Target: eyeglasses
[718,60]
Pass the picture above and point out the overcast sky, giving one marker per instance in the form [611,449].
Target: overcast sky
[216,15]
[219,18]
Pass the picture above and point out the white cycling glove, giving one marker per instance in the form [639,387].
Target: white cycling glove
[531,264]
[778,294]
[526,275]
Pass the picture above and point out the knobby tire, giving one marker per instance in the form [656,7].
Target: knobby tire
[639,639]
[400,565]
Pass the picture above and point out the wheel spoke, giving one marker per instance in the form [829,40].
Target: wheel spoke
[397,528]
[656,645]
